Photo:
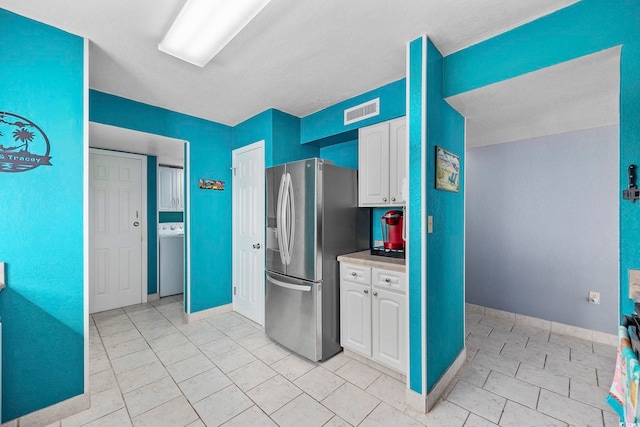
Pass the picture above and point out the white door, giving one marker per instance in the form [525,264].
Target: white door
[355,317]
[248,231]
[117,229]
[389,330]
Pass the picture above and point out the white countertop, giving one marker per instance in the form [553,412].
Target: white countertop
[365,258]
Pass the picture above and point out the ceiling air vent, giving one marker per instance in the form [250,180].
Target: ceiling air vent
[362,111]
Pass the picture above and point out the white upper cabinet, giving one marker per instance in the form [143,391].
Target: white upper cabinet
[170,189]
[397,159]
[373,165]
[382,163]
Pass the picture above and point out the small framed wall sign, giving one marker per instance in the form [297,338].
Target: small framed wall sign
[211,184]
[447,170]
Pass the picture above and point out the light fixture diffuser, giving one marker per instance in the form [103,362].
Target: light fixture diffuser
[204,27]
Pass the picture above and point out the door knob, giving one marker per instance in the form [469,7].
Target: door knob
[256,246]
[375,294]
[366,291]
[384,199]
[135,224]
[393,199]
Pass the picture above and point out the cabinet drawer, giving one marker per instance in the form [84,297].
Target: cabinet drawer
[389,279]
[355,273]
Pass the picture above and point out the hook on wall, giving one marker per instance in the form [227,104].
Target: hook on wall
[632,193]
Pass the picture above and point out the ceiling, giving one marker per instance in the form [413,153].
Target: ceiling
[169,151]
[579,94]
[296,56]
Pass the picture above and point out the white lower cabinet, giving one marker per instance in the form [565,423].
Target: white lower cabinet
[373,314]
[388,318]
[355,315]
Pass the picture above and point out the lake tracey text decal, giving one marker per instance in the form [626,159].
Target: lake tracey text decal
[23,145]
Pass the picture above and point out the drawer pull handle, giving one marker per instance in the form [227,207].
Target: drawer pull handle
[366,291]
[387,280]
[354,274]
[375,294]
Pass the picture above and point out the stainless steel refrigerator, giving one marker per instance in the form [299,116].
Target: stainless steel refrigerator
[312,217]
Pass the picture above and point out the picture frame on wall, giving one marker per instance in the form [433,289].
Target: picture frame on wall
[447,170]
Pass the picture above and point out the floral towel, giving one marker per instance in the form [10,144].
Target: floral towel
[623,395]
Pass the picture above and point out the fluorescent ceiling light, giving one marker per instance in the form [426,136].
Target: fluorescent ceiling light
[204,27]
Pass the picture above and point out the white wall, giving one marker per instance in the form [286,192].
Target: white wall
[542,227]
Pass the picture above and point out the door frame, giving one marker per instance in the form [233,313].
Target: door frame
[261,146]
[144,230]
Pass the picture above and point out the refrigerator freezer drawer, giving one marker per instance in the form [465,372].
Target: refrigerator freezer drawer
[292,314]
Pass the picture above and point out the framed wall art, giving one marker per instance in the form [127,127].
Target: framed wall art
[447,170]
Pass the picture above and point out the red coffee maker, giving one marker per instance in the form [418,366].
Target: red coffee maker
[391,223]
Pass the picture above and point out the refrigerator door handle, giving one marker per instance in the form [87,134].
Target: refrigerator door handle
[291,218]
[279,224]
[288,285]
[284,213]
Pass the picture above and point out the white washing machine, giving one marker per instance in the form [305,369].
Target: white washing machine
[171,258]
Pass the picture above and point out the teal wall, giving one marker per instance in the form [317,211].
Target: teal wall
[286,139]
[344,154]
[586,27]
[436,260]
[210,147]
[42,79]
[328,124]
[445,246]
[415,246]
[152,229]
[170,217]
[254,129]
[281,134]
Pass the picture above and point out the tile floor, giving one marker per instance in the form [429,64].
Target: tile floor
[150,369]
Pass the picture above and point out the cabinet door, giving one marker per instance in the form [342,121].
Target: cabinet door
[179,189]
[355,317]
[373,165]
[165,189]
[389,329]
[397,159]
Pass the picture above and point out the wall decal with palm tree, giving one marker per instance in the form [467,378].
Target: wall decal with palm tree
[23,145]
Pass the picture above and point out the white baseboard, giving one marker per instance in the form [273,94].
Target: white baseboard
[424,404]
[558,328]
[375,365]
[53,413]
[200,315]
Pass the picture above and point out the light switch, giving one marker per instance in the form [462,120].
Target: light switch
[429,224]
[2,278]
[634,285]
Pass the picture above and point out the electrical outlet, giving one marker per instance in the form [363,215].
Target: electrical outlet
[634,285]
[594,297]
